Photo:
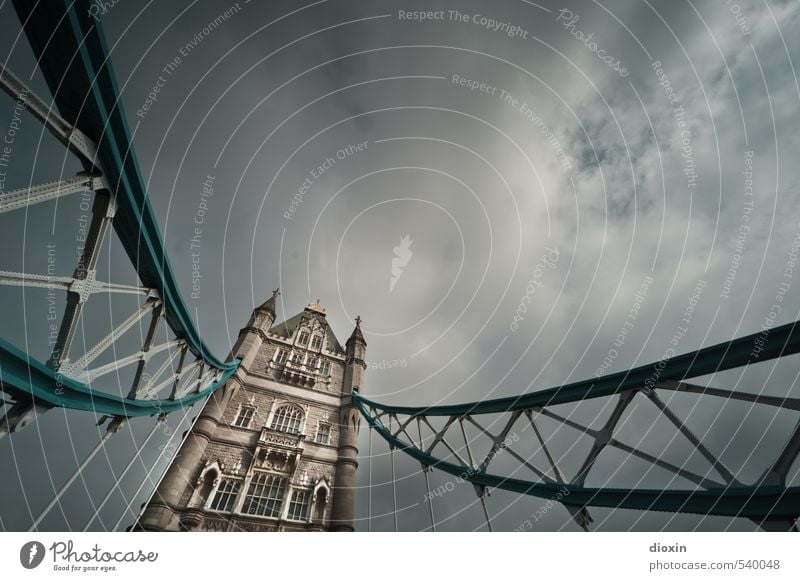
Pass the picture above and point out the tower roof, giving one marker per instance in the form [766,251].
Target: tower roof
[270,304]
[316,307]
[357,335]
[287,327]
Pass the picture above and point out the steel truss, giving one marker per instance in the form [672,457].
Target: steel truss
[72,55]
[436,437]
[172,368]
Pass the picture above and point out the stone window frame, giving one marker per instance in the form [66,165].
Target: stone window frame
[306,504]
[303,337]
[321,486]
[272,495]
[286,353]
[232,499]
[300,417]
[316,341]
[240,410]
[320,426]
[325,367]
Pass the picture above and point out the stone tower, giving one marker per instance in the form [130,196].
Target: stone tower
[275,448]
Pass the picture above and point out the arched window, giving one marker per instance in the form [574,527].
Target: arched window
[323,434]
[204,487]
[287,419]
[319,505]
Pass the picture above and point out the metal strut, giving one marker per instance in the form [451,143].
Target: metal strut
[369,491]
[153,467]
[160,420]
[113,428]
[394,480]
[425,470]
[482,496]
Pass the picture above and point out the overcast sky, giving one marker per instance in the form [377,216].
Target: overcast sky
[586,160]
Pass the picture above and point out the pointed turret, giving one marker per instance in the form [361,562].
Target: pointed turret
[270,304]
[255,333]
[160,513]
[355,349]
[357,336]
[349,424]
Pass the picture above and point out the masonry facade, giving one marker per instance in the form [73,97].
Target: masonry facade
[275,448]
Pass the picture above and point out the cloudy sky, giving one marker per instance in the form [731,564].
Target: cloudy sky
[553,168]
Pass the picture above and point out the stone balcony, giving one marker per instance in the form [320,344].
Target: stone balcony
[297,374]
[283,440]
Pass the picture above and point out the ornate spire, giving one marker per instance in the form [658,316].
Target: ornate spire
[316,307]
[357,335]
[270,304]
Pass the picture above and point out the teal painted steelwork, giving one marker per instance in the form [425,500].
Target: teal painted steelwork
[756,502]
[22,374]
[72,54]
[779,342]
[73,57]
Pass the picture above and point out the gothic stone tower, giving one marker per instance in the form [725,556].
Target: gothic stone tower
[275,448]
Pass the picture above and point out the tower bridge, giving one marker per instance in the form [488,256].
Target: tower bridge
[275,444]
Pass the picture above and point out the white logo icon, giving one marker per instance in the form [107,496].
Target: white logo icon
[402,254]
[31,554]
